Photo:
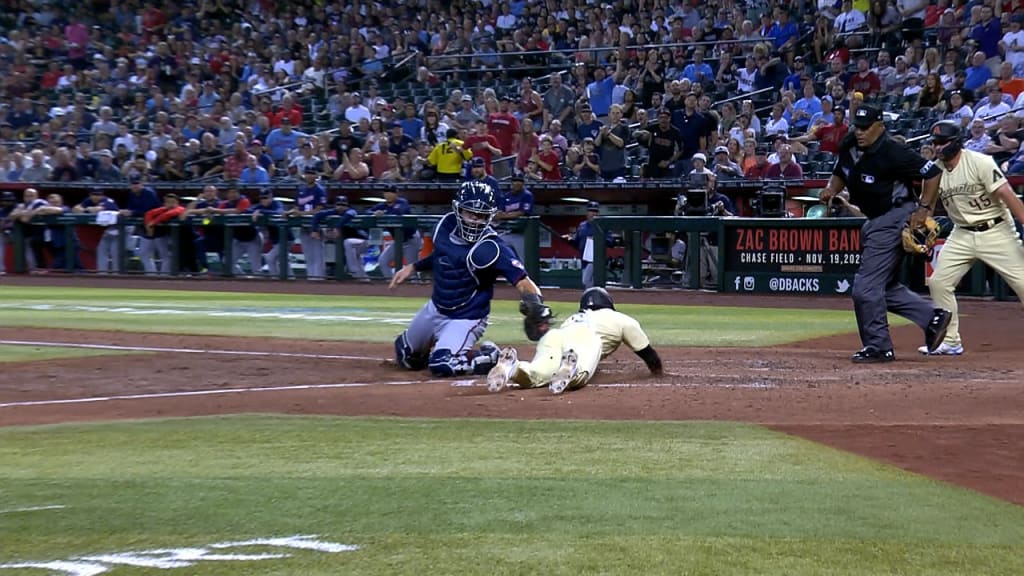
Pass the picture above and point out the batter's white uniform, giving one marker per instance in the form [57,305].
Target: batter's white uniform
[592,335]
[968,192]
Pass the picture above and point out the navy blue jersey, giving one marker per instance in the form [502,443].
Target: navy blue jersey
[105,203]
[346,216]
[465,274]
[513,202]
[310,198]
[274,209]
[400,207]
[143,202]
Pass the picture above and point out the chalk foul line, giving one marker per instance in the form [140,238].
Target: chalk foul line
[220,391]
[186,350]
[33,509]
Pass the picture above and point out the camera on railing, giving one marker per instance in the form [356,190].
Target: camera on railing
[770,201]
[693,200]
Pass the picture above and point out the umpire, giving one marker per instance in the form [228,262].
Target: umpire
[879,173]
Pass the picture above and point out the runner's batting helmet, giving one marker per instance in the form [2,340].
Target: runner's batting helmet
[947,133]
[596,298]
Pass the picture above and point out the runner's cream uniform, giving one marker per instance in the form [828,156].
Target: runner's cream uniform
[968,194]
[592,334]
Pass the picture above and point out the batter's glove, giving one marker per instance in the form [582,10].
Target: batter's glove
[536,316]
[921,240]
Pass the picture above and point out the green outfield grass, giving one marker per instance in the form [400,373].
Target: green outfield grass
[378,319]
[31,353]
[490,497]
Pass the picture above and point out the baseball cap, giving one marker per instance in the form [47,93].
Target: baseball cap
[170,195]
[135,178]
[266,193]
[700,156]
[467,98]
[255,143]
[478,161]
[106,152]
[761,151]
[517,177]
[395,124]
[826,98]
[286,120]
[721,150]
[593,206]
[867,115]
[341,200]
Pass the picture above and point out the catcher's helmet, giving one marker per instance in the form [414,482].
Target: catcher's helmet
[596,298]
[948,133]
[477,199]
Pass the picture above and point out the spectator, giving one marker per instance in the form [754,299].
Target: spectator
[531,105]
[63,168]
[990,112]
[547,159]
[786,168]
[355,110]
[1006,139]
[776,124]
[253,173]
[611,141]
[724,168]
[434,131]
[398,141]
[978,140]
[599,92]
[529,143]
[448,156]
[987,33]
[352,168]
[978,73]
[107,171]
[1012,45]
[482,145]
[865,80]
[665,147]
[283,141]
[587,165]
[761,164]
[236,162]
[38,170]
[558,103]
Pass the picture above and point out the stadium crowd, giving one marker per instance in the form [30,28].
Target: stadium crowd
[259,91]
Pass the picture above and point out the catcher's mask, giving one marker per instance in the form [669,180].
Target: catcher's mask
[596,298]
[475,207]
[947,138]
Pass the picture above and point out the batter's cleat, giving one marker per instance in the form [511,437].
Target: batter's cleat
[872,355]
[565,373]
[943,350]
[935,332]
[499,376]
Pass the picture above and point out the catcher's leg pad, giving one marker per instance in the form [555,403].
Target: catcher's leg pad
[444,364]
[407,357]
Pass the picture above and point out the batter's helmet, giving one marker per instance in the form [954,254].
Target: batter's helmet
[948,133]
[596,298]
[477,199]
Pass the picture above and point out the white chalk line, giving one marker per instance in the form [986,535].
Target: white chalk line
[33,509]
[186,350]
[214,392]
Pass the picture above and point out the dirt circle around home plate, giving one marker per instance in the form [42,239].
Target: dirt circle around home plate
[956,419]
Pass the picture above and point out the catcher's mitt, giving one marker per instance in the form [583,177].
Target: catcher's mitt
[920,240]
[536,316]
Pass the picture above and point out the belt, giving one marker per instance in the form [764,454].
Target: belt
[987,225]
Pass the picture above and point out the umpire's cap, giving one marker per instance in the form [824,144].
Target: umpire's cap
[596,298]
[867,115]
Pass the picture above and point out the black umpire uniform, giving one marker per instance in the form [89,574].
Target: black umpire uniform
[878,172]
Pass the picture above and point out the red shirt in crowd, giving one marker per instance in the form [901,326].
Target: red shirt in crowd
[504,127]
[868,84]
[787,172]
[477,143]
[294,114]
[829,136]
[551,159]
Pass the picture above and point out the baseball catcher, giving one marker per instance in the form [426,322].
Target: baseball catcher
[567,357]
[920,240]
[467,260]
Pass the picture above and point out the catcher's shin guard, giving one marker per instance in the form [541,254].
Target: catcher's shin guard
[444,364]
[406,357]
